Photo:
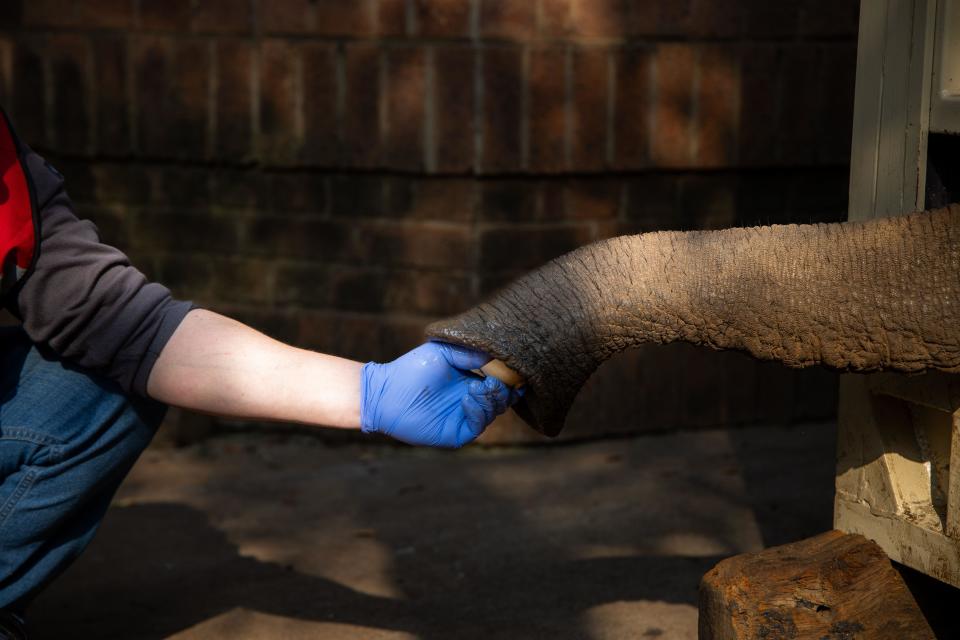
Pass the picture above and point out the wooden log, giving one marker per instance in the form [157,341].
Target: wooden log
[834,586]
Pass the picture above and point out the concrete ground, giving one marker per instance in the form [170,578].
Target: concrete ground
[282,536]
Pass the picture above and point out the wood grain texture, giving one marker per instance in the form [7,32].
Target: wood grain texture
[834,586]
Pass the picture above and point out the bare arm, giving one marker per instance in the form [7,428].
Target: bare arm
[217,365]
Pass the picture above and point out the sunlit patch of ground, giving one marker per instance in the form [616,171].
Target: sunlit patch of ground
[281,536]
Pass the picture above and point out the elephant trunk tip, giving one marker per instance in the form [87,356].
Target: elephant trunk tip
[534,407]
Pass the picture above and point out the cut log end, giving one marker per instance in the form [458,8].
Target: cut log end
[835,585]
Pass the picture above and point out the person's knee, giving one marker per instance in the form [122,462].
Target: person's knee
[84,412]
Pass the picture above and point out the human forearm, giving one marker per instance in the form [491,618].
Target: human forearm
[217,365]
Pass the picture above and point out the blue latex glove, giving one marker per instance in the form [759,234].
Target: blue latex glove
[429,396]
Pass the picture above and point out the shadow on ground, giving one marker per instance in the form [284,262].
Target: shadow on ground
[594,540]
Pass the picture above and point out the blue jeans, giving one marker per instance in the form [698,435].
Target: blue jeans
[67,439]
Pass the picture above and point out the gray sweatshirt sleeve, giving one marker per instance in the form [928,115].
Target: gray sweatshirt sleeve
[84,300]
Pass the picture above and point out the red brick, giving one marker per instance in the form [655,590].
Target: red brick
[360,337]
[832,18]
[653,200]
[443,18]
[6,64]
[417,245]
[401,335]
[673,111]
[641,19]
[443,199]
[759,105]
[300,238]
[454,128]
[548,109]
[49,13]
[817,195]
[353,289]
[708,201]
[673,18]
[510,201]
[238,281]
[299,192]
[631,124]
[765,19]
[28,92]
[527,247]
[345,18]
[717,18]
[320,103]
[839,65]
[113,227]
[717,116]
[242,189]
[171,93]
[71,86]
[182,187]
[279,139]
[507,20]
[188,276]
[799,99]
[188,101]
[556,18]
[152,76]
[361,125]
[423,292]
[761,196]
[599,18]
[356,195]
[589,109]
[12,15]
[593,199]
[405,101]
[110,14]
[502,97]
[123,183]
[223,16]
[166,15]
[490,283]
[287,16]
[392,17]
[304,285]
[164,231]
[234,134]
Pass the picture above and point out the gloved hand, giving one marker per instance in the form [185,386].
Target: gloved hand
[428,396]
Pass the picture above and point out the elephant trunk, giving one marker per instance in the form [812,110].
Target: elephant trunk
[854,296]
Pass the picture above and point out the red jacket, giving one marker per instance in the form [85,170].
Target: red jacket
[75,295]
[19,217]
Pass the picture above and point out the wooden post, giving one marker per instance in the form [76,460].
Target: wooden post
[897,441]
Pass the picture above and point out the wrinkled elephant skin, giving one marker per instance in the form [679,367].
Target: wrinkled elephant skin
[852,296]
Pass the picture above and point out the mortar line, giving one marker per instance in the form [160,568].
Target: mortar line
[478,98]
[49,126]
[131,107]
[410,18]
[568,107]
[429,132]
[525,114]
[653,72]
[212,87]
[340,99]
[255,100]
[611,110]
[93,98]
[693,126]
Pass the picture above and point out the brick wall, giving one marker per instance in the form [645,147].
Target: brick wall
[338,173]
